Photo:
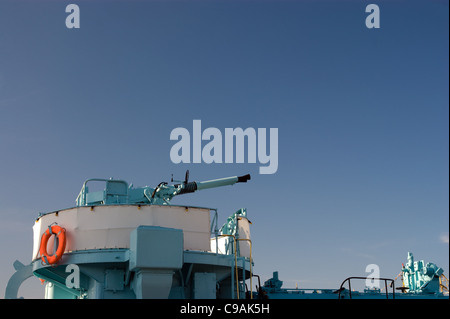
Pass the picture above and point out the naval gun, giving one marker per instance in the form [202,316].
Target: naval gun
[119,192]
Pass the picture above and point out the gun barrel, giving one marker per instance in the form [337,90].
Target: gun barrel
[222,182]
[194,186]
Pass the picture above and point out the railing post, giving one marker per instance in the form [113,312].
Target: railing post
[235,261]
[250,260]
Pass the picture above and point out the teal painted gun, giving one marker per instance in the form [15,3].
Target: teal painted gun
[118,192]
[419,277]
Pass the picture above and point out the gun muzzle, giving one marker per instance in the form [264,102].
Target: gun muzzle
[243,178]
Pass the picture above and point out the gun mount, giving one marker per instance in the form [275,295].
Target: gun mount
[119,192]
[421,277]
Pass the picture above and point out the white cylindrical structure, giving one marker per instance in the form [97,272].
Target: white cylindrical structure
[109,226]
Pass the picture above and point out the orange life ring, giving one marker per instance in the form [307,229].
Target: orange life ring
[61,236]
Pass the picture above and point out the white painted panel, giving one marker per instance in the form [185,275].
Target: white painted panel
[244,234]
[110,226]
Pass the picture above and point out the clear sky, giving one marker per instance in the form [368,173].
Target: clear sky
[362,116]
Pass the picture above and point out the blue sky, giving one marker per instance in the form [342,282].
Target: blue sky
[362,116]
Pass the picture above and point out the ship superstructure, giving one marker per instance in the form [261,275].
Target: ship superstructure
[127,242]
[122,242]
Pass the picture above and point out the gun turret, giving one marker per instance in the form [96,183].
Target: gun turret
[119,192]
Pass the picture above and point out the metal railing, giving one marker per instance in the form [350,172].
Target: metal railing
[214,230]
[341,288]
[235,260]
[250,261]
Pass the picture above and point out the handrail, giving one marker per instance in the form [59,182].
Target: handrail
[251,283]
[341,288]
[83,189]
[235,260]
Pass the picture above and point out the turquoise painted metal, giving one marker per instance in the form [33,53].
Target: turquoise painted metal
[421,278]
[420,281]
[156,264]
[119,192]
[154,261]
[230,226]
